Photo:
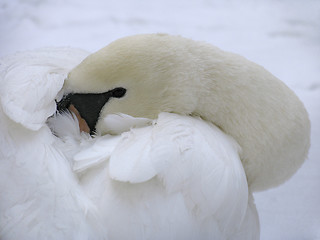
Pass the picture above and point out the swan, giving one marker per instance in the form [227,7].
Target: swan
[176,136]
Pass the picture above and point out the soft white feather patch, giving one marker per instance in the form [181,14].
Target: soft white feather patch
[91,156]
[119,123]
[30,82]
[130,162]
[189,156]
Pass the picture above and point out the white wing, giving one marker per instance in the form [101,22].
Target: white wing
[40,196]
[180,178]
[31,80]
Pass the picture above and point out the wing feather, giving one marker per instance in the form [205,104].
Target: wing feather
[40,196]
[31,80]
[190,156]
[178,162]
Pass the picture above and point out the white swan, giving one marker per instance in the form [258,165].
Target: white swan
[167,172]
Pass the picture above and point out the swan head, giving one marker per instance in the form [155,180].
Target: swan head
[144,75]
[147,77]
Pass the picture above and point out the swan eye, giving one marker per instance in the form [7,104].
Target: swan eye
[118,92]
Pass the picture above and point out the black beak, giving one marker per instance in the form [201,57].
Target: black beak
[89,105]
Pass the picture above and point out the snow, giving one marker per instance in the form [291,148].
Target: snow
[281,35]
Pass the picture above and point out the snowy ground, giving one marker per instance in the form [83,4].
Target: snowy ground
[281,35]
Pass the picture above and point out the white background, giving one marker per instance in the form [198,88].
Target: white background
[283,36]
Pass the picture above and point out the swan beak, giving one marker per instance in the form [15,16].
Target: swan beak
[86,108]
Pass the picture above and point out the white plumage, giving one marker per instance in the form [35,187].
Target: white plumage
[173,176]
[40,196]
[177,177]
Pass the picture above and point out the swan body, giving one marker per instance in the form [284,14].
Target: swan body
[176,177]
[177,155]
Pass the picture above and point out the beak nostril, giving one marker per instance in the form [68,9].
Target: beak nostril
[118,92]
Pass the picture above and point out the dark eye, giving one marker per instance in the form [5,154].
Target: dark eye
[118,92]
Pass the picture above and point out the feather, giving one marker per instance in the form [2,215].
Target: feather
[40,196]
[178,158]
[118,123]
[30,80]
